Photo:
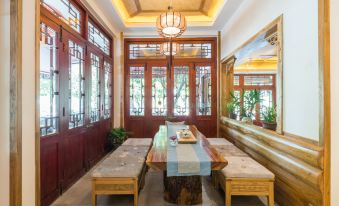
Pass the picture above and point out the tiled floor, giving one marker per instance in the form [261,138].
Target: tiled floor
[80,195]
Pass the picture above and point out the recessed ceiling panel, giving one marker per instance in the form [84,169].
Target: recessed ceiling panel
[178,5]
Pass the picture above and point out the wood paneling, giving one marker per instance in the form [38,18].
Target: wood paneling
[297,167]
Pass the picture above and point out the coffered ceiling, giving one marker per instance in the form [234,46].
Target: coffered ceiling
[138,17]
[137,7]
[141,12]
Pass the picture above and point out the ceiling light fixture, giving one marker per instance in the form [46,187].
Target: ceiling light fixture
[171,24]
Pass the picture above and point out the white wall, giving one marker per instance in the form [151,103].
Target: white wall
[4,103]
[335,102]
[28,103]
[301,79]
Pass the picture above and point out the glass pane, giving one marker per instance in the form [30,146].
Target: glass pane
[99,39]
[266,97]
[66,11]
[159,93]
[108,90]
[181,91]
[145,51]
[49,82]
[195,51]
[266,80]
[76,85]
[236,81]
[137,91]
[95,89]
[247,104]
[203,84]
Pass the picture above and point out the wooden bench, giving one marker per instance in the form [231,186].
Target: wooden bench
[122,172]
[242,175]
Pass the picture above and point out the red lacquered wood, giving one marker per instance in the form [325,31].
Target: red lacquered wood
[157,157]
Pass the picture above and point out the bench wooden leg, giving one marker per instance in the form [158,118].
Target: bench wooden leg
[136,191]
[270,197]
[228,194]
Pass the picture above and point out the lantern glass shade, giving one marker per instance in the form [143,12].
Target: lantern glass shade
[165,48]
[171,24]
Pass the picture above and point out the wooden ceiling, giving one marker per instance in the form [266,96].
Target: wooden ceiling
[136,7]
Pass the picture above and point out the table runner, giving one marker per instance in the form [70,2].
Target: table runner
[186,159]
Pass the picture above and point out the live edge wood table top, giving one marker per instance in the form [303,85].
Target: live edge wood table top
[157,157]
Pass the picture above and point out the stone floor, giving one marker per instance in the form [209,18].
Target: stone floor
[80,195]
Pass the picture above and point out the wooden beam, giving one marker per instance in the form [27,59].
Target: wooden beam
[15,102]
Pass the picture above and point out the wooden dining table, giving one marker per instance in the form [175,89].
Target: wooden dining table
[184,190]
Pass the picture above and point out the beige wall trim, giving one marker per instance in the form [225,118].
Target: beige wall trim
[219,85]
[15,102]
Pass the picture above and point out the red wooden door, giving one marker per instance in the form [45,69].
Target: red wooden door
[50,112]
[74,108]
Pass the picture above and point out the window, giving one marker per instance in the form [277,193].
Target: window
[137,92]
[95,89]
[98,38]
[196,50]
[159,91]
[263,83]
[76,85]
[49,81]
[145,51]
[181,91]
[203,83]
[66,11]
[107,89]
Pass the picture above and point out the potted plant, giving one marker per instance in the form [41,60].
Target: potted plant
[117,136]
[232,105]
[250,100]
[270,118]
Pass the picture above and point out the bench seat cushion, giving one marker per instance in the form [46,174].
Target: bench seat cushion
[138,142]
[245,167]
[230,151]
[126,161]
[218,141]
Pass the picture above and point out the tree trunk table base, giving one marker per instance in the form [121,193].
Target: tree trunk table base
[186,190]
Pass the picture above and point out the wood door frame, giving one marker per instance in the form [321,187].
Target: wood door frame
[15,133]
[191,62]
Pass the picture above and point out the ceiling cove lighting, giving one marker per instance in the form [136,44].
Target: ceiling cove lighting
[165,48]
[171,24]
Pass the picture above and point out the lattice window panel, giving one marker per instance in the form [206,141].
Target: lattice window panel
[159,91]
[98,38]
[66,11]
[181,91]
[49,82]
[137,91]
[203,50]
[266,80]
[107,89]
[203,86]
[95,89]
[145,51]
[76,85]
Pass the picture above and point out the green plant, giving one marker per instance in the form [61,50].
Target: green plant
[117,135]
[232,103]
[250,99]
[269,115]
